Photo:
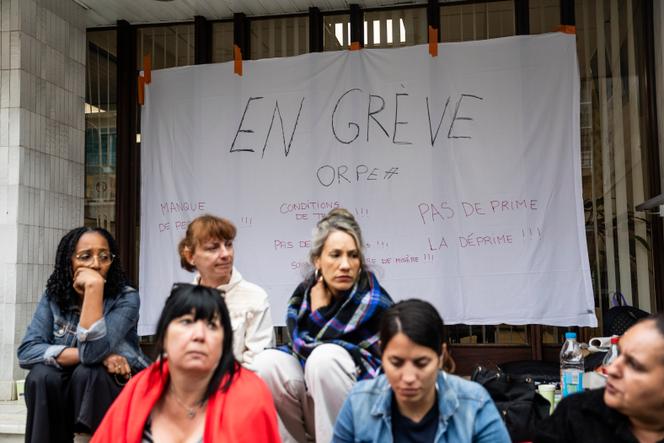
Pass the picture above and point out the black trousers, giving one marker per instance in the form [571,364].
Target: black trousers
[63,401]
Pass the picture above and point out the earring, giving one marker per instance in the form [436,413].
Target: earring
[317,275]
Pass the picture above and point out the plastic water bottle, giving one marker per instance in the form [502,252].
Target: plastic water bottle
[613,352]
[571,366]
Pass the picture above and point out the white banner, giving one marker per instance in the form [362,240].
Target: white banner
[463,171]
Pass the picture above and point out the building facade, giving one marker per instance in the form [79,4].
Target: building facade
[70,131]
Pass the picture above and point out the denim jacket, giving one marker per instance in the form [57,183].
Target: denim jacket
[52,330]
[466,413]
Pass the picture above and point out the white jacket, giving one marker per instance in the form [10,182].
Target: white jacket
[251,320]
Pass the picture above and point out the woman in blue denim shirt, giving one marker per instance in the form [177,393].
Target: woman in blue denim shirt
[81,345]
[415,401]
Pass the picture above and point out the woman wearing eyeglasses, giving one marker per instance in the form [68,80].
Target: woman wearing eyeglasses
[81,345]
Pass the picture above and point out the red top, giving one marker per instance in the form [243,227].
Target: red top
[244,413]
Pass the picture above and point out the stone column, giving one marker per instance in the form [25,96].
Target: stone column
[42,124]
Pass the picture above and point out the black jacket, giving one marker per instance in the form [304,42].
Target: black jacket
[584,417]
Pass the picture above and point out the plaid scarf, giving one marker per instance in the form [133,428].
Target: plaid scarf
[352,322]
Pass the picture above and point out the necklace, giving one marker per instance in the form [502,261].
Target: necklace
[191,410]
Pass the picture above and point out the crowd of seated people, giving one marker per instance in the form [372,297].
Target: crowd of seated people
[357,367]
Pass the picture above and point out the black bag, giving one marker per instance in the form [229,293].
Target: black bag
[539,371]
[517,400]
[621,316]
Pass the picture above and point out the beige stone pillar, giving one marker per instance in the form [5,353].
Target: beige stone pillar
[42,92]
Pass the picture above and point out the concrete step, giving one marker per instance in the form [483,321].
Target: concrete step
[12,421]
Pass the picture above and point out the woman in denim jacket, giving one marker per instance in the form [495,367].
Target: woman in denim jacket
[415,401]
[81,345]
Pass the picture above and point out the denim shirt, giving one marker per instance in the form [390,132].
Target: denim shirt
[52,330]
[466,413]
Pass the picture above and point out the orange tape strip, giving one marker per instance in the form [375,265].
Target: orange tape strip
[141,90]
[567,29]
[355,46]
[433,41]
[237,57]
[147,68]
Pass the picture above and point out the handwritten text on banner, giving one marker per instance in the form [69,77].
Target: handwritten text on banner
[463,171]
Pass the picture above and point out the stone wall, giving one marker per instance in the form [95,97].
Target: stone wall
[42,92]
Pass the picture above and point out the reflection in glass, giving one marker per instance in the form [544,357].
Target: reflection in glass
[100,129]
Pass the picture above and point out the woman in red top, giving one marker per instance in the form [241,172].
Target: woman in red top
[196,391]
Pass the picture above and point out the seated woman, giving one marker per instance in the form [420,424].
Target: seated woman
[81,343]
[196,392]
[416,401]
[332,321]
[207,248]
[630,408]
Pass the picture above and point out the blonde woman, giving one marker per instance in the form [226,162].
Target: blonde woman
[332,321]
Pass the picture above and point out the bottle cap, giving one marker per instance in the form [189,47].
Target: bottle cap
[615,339]
[569,335]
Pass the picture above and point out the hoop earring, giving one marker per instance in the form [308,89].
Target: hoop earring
[317,274]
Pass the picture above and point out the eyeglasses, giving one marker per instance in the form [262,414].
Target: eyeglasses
[86,258]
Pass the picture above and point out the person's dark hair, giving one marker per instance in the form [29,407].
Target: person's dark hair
[200,230]
[658,318]
[60,287]
[420,322]
[207,304]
